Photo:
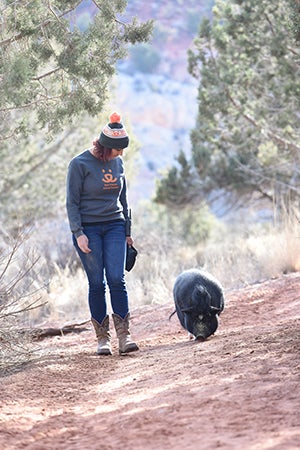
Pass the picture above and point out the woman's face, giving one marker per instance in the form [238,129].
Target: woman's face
[116,152]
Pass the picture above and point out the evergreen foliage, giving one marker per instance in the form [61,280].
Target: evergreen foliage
[177,187]
[53,77]
[295,18]
[247,137]
[52,68]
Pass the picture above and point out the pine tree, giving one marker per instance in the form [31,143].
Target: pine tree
[52,68]
[177,187]
[247,136]
[246,139]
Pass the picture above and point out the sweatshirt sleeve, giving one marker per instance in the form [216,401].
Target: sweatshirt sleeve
[74,188]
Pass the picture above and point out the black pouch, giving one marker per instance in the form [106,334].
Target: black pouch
[131,254]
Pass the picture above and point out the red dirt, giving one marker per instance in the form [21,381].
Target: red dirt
[237,390]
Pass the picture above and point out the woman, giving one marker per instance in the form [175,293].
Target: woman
[98,215]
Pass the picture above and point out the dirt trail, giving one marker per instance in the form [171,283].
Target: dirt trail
[238,390]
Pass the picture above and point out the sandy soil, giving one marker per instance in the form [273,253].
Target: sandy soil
[237,390]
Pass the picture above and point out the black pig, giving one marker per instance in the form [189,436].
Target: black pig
[199,300]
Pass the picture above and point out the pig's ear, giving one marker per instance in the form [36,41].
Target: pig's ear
[200,292]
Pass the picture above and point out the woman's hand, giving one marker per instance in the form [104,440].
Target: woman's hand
[83,243]
[129,240]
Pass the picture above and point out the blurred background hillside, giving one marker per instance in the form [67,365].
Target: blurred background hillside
[153,88]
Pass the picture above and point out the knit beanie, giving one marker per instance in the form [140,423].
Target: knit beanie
[114,134]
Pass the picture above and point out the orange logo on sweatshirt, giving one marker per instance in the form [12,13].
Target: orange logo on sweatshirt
[108,177]
[110,182]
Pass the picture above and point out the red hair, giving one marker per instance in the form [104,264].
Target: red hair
[100,152]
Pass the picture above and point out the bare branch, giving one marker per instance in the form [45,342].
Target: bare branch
[115,19]
[38,78]
[15,247]
[34,305]
[267,132]
[41,333]
[35,102]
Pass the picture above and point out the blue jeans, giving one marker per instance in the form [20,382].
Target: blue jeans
[105,265]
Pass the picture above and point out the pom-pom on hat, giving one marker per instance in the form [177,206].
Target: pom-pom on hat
[114,134]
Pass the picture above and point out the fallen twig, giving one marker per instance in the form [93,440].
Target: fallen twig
[42,333]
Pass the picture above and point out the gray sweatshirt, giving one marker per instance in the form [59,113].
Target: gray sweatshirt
[96,191]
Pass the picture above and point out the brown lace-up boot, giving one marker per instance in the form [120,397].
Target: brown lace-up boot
[103,336]
[126,344]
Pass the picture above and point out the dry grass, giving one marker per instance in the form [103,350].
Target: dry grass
[256,253]
[20,295]
[237,254]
